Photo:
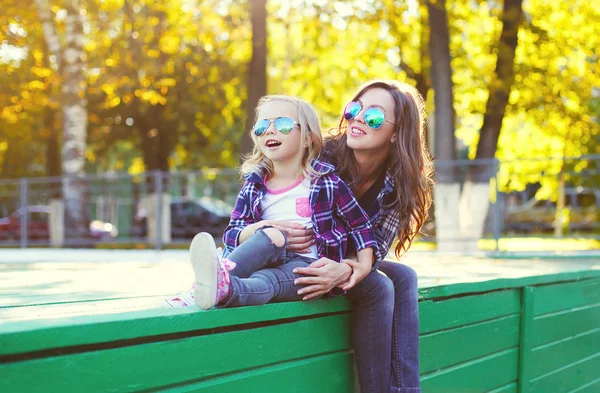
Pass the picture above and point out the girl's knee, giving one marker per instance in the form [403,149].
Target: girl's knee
[276,236]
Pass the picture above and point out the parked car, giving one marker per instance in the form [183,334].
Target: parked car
[38,225]
[539,215]
[190,216]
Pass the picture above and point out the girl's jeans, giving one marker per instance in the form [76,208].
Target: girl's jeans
[263,272]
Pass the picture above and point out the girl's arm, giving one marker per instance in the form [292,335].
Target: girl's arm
[241,218]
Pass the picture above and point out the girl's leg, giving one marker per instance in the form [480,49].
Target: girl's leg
[373,300]
[265,286]
[266,248]
[405,331]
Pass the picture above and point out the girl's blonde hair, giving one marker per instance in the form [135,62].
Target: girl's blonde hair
[311,137]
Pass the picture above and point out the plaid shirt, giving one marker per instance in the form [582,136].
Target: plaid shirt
[387,219]
[335,214]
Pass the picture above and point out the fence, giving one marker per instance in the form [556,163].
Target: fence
[480,203]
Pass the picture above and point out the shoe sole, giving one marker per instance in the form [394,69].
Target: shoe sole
[204,258]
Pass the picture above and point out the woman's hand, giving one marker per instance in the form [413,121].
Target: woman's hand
[299,238]
[359,272]
[323,275]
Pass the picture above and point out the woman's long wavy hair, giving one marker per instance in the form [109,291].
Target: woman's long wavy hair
[311,137]
[409,162]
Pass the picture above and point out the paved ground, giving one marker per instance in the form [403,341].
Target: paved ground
[47,283]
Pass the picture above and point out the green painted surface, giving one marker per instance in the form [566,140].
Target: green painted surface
[477,376]
[39,335]
[439,315]
[147,366]
[561,354]
[535,334]
[568,379]
[554,327]
[553,298]
[329,373]
[438,350]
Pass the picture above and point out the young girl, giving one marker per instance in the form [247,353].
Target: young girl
[284,182]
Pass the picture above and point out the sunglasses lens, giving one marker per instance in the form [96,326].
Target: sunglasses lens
[351,110]
[374,118]
[285,125]
[261,127]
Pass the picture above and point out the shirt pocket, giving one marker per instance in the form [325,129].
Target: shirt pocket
[303,207]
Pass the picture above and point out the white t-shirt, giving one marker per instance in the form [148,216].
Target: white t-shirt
[291,203]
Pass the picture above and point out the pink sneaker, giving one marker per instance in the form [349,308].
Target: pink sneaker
[212,283]
[184,299]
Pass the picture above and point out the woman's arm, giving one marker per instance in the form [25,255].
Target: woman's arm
[321,277]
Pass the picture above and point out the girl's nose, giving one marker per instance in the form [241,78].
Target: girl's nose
[271,128]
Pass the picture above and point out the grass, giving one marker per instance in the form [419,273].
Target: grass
[525,244]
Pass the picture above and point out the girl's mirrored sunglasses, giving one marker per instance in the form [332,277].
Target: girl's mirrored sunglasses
[285,125]
[374,117]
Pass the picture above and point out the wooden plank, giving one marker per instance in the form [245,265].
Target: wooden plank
[477,376]
[568,378]
[510,388]
[449,313]
[525,337]
[322,374]
[553,298]
[504,283]
[32,336]
[590,387]
[557,355]
[553,327]
[61,310]
[450,347]
[149,366]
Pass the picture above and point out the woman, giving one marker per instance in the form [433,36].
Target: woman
[380,151]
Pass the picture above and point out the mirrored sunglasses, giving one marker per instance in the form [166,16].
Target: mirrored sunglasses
[285,125]
[374,117]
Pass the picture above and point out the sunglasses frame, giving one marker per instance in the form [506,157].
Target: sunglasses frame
[362,108]
[272,121]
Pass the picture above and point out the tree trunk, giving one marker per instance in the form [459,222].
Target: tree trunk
[257,70]
[75,119]
[68,60]
[475,198]
[447,191]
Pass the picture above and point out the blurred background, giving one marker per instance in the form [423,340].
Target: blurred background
[122,122]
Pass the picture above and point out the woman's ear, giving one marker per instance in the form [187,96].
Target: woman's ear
[393,140]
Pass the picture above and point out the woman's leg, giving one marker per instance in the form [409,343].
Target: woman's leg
[266,248]
[265,286]
[373,300]
[405,330]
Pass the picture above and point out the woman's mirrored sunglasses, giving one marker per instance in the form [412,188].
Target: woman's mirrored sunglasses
[374,117]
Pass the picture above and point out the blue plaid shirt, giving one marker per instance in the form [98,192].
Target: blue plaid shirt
[387,219]
[335,214]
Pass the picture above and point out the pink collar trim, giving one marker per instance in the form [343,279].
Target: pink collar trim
[285,189]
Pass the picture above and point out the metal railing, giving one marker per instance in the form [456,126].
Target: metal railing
[547,198]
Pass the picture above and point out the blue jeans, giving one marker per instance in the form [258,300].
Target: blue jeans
[385,330]
[263,273]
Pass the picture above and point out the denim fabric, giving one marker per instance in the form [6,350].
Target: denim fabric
[267,285]
[263,272]
[256,253]
[385,330]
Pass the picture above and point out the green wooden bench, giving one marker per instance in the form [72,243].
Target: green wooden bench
[534,334]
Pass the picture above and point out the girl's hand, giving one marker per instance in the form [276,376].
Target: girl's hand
[323,275]
[299,238]
[359,272]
